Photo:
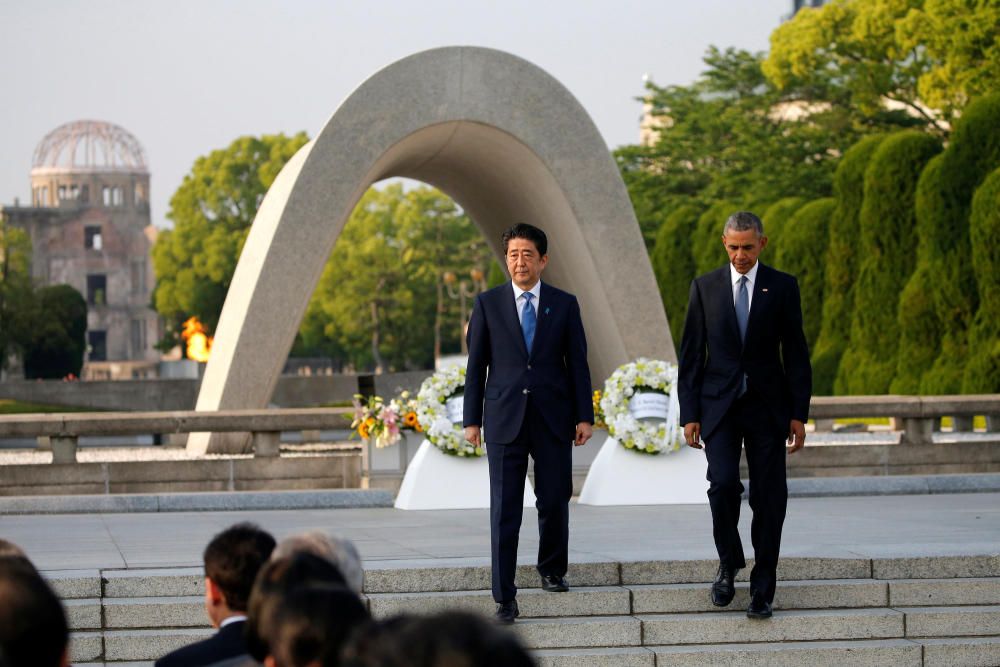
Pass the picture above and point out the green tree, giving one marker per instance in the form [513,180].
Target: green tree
[775,219]
[841,263]
[212,211]
[888,241]
[943,225]
[673,265]
[59,332]
[16,298]
[982,371]
[803,245]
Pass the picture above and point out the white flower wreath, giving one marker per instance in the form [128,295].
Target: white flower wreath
[433,414]
[648,437]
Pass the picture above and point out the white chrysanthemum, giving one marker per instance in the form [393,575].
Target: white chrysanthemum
[441,432]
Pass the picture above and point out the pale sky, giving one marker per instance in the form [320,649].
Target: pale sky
[186,77]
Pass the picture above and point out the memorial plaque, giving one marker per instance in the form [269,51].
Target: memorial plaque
[454,408]
[649,405]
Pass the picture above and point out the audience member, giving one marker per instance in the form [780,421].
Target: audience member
[232,560]
[308,627]
[33,628]
[339,551]
[446,639]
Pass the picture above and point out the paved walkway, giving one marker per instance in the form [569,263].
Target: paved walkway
[884,526]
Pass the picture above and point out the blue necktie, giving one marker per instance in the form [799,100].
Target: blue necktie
[742,315]
[528,321]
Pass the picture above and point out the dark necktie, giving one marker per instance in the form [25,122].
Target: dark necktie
[742,315]
[528,321]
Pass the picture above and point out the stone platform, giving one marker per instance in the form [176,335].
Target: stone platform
[888,580]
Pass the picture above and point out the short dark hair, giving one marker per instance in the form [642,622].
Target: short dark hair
[445,639]
[312,623]
[275,581]
[523,230]
[743,221]
[33,628]
[233,558]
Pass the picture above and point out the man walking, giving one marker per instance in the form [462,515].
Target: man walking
[745,381]
[527,385]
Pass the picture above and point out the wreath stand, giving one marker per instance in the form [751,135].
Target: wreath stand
[621,477]
[438,481]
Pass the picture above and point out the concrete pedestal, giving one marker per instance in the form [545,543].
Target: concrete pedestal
[622,477]
[438,481]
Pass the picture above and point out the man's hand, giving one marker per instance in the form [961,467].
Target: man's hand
[796,436]
[472,435]
[583,433]
[692,434]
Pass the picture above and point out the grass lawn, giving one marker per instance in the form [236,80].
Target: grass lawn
[9,406]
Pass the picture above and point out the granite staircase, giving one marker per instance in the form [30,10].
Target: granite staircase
[828,611]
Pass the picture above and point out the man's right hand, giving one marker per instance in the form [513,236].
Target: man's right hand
[692,434]
[472,435]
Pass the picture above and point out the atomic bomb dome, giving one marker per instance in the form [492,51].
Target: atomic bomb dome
[89,145]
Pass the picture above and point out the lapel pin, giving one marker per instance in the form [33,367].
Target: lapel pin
[546,311]
[764,289]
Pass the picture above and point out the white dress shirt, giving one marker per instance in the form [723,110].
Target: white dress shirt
[734,277]
[519,298]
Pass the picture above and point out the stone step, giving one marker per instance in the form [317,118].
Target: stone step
[859,653]
[159,582]
[798,625]
[532,602]
[700,571]
[944,592]
[970,621]
[138,645]
[813,594]
[595,657]
[83,614]
[936,567]
[582,632]
[85,647]
[186,611]
[472,575]
[969,652]
[75,584]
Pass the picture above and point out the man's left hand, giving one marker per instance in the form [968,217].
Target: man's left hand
[583,433]
[796,436]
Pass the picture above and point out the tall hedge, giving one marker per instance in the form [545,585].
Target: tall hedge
[775,218]
[919,325]
[982,370]
[59,334]
[674,265]
[841,264]
[802,253]
[973,153]
[708,250]
[888,241]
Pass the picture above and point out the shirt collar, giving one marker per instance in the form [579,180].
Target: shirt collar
[734,275]
[535,291]
[235,618]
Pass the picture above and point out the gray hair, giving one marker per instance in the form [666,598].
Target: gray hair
[339,551]
[743,221]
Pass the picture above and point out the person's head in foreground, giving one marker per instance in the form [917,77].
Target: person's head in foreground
[232,560]
[446,639]
[33,628]
[339,551]
[308,626]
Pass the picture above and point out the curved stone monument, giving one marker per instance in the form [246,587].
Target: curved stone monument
[501,137]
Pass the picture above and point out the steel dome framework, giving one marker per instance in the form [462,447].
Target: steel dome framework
[89,145]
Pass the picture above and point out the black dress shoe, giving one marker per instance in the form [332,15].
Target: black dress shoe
[507,612]
[554,584]
[759,606]
[724,589]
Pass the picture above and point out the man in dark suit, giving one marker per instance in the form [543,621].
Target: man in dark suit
[232,560]
[528,386]
[745,380]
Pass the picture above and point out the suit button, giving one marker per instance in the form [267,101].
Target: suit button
[529,367]
[525,391]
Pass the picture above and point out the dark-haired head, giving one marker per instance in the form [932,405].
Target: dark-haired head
[33,628]
[523,230]
[447,639]
[309,625]
[275,581]
[233,558]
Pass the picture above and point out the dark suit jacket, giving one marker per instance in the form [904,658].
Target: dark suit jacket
[556,373]
[774,355]
[226,643]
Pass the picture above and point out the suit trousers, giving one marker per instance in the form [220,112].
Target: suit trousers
[508,462]
[746,425]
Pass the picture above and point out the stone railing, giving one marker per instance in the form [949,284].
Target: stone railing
[63,430]
[917,417]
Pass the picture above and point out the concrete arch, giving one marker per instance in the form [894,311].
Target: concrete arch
[500,136]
